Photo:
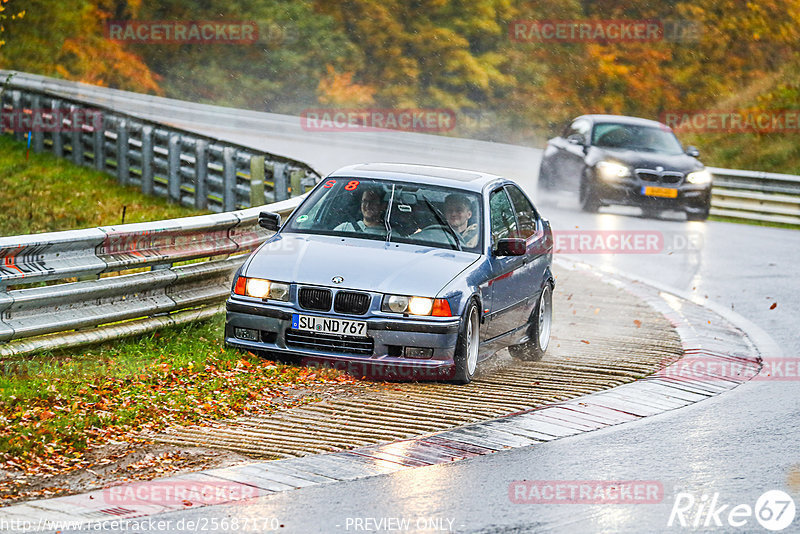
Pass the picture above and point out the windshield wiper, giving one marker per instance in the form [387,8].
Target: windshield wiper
[389,216]
[443,222]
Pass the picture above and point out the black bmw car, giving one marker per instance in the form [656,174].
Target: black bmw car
[613,159]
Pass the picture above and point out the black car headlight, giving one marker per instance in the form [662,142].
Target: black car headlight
[699,177]
[611,170]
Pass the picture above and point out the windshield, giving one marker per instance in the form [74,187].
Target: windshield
[392,211]
[633,137]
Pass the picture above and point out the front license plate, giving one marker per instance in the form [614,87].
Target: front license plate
[666,192]
[329,325]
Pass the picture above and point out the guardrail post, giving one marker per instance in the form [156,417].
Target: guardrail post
[77,136]
[16,103]
[174,168]
[147,160]
[201,174]
[228,178]
[99,140]
[257,181]
[58,139]
[123,170]
[38,134]
[279,178]
[297,183]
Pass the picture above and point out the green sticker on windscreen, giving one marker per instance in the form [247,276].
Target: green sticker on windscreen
[302,218]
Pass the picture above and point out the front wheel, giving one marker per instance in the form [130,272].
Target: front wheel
[588,196]
[466,357]
[700,215]
[539,330]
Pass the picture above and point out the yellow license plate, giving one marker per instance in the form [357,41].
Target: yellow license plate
[666,192]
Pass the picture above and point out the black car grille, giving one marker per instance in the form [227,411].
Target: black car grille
[351,302]
[330,342]
[312,298]
[647,175]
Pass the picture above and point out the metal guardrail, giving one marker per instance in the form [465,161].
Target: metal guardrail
[756,196]
[194,170]
[96,307]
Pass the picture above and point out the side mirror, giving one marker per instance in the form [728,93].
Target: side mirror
[692,151]
[576,139]
[514,246]
[269,220]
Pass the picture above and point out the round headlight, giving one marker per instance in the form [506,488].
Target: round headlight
[420,306]
[279,291]
[257,287]
[397,304]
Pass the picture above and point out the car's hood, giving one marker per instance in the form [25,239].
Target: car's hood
[648,160]
[363,264]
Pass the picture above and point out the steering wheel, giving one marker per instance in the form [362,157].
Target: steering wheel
[441,228]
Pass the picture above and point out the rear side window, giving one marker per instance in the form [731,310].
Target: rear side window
[526,214]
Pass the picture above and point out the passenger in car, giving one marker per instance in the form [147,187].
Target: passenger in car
[458,212]
[373,212]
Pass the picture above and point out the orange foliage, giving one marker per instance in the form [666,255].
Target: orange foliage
[338,89]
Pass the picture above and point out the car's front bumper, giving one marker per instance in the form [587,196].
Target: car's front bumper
[688,197]
[389,337]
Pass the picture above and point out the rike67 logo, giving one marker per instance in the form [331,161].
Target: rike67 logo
[774,510]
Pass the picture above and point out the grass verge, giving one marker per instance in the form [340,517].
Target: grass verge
[754,222]
[55,407]
[43,193]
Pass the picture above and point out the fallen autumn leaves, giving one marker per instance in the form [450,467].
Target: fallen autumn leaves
[50,423]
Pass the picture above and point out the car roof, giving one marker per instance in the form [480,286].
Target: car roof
[623,119]
[420,174]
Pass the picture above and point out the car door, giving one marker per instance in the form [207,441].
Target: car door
[531,228]
[506,309]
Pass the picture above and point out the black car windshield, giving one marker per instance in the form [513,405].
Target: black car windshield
[634,137]
[396,211]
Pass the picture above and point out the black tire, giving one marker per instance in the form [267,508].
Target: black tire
[466,356]
[538,330]
[587,196]
[545,180]
[701,215]
[651,213]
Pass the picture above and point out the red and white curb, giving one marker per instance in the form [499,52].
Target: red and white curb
[706,331]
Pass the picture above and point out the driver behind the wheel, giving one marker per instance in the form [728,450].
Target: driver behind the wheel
[458,212]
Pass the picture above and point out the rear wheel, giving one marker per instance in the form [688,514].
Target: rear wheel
[466,357]
[539,330]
